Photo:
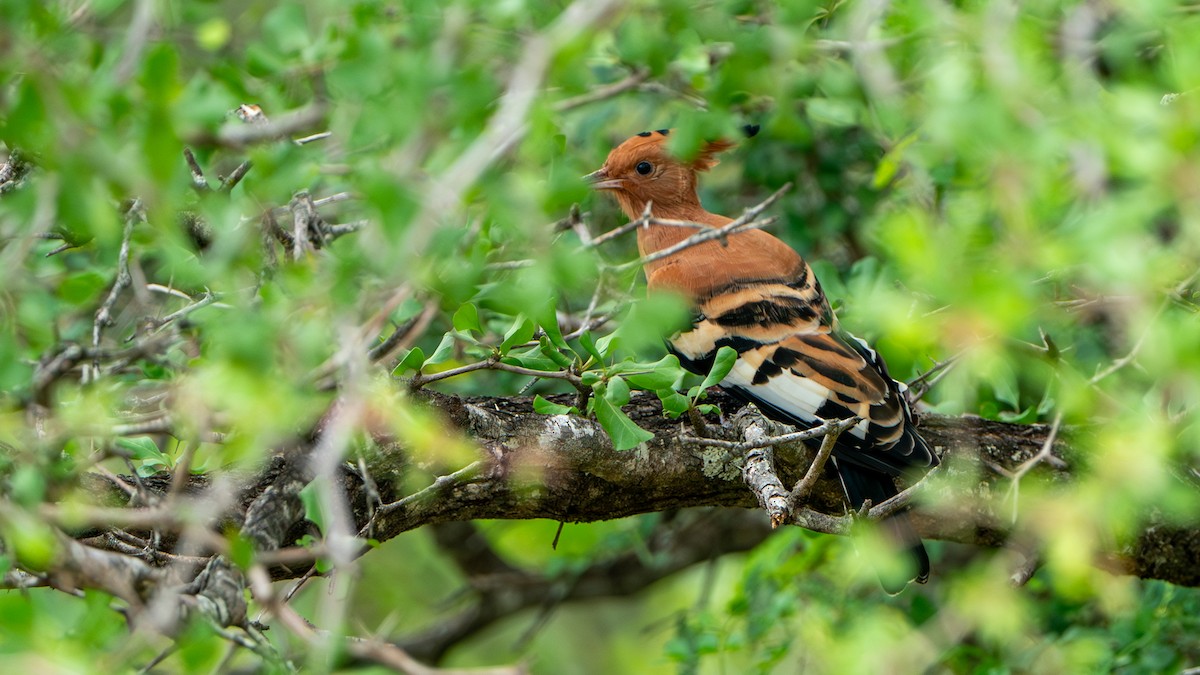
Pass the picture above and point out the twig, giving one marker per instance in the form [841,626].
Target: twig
[305,224]
[334,231]
[403,335]
[748,220]
[164,423]
[159,288]
[805,485]
[631,81]
[236,176]
[1137,347]
[183,469]
[901,501]
[1026,570]
[104,314]
[199,182]
[926,381]
[508,124]
[240,135]
[135,39]
[511,264]
[375,651]
[1045,453]
[647,219]
[325,465]
[760,441]
[315,137]
[209,298]
[471,470]
[627,227]
[759,470]
[420,380]
[333,199]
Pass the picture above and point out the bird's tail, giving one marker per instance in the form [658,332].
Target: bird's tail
[861,485]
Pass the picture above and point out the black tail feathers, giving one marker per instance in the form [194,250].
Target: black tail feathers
[862,484]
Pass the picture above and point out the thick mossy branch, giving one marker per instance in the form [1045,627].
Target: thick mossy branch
[564,468]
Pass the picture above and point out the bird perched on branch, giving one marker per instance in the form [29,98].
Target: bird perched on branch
[755,294]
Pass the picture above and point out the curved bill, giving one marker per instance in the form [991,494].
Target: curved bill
[599,180]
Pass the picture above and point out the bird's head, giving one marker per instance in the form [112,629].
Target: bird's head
[641,171]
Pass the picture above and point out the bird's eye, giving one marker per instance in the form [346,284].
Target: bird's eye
[644,168]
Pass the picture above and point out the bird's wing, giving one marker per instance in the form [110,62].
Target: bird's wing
[795,364]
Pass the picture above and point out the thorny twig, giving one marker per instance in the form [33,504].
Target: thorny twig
[104,314]
[1044,454]
[67,244]
[324,461]
[209,298]
[404,335]
[825,428]
[1120,363]
[493,363]
[463,475]
[748,220]
[805,485]
[926,381]
[508,124]
[374,651]
[901,501]
[631,81]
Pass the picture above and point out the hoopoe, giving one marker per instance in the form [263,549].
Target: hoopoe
[755,294]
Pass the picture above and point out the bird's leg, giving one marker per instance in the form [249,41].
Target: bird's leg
[697,420]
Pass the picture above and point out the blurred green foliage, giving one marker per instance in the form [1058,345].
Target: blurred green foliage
[999,182]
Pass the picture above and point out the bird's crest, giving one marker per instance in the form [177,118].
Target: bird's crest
[642,170]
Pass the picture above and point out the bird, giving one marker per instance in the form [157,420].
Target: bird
[756,294]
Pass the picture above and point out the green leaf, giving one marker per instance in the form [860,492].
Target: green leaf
[722,364]
[552,352]
[589,345]
[241,551]
[467,318]
[548,320]
[413,360]
[27,485]
[673,402]
[617,391]
[531,358]
[444,351]
[312,505]
[662,374]
[623,432]
[541,405]
[142,448]
[607,344]
[1026,416]
[213,34]
[518,334]
[82,288]
[1005,387]
[889,165]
